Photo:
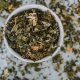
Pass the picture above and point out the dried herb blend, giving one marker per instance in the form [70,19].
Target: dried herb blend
[33,34]
[9,5]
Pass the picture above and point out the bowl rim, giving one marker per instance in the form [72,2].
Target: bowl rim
[43,8]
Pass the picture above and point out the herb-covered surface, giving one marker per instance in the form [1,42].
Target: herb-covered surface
[66,65]
[33,34]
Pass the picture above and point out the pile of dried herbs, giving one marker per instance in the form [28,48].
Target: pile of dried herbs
[9,5]
[33,34]
[69,69]
[1,34]
[1,37]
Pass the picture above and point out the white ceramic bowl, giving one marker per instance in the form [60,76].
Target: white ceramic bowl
[43,8]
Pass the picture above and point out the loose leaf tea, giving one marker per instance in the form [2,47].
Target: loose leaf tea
[33,34]
[9,5]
